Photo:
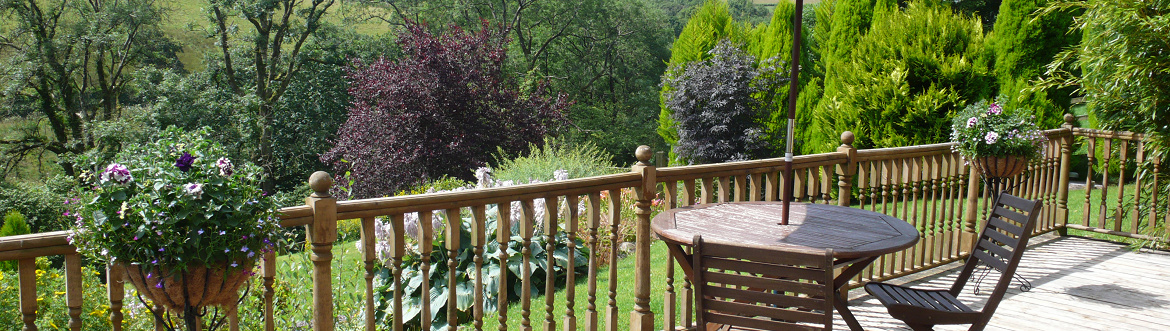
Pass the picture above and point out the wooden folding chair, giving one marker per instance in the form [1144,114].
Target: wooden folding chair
[1000,246]
[762,288]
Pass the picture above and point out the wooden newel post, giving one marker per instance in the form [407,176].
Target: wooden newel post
[1065,167]
[972,206]
[321,234]
[847,170]
[642,318]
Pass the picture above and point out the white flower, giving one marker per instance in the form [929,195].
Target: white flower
[991,137]
[561,174]
[193,189]
[225,166]
[483,176]
[971,121]
[117,173]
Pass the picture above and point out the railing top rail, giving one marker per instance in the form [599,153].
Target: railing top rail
[902,152]
[446,200]
[744,167]
[1094,133]
[35,245]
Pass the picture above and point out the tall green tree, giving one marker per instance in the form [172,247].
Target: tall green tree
[1124,64]
[68,63]
[848,21]
[1023,44]
[709,25]
[906,77]
[278,29]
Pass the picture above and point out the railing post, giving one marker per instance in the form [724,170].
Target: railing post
[846,171]
[642,318]
[116,291]
[322,233]
[1065,167]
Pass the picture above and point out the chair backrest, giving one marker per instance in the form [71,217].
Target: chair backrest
[1001,245]
[762,287]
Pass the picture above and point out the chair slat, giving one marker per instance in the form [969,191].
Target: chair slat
[997,223]
[791,315]
[762,268]
[772,255]
[756,323]
[1003,238]
[763,283]
[989,260]
[764,297]
[996,249]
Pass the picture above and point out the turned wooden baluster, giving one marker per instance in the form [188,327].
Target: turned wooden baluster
[550,280]
[1092,160]
[571,201]
[116,292]
[397,251]
[527,227]
[503,237]
[691,198]
[615,219]
[478,240]
[268,273]
[756,186]
[1120,186]
[741,188]
[368,257]
[426,243]
[454,226]
[1135,220]
[708,190]
[670,299]
[1104,206]
[1153,218]
[594,210]
[1065,166]
[73,289]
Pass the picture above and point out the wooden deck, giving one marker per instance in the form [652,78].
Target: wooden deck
[1078,284]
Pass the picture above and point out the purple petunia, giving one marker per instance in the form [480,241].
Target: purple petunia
[184,162]
[991,137]
[995,109]
[971,122]
[194,190]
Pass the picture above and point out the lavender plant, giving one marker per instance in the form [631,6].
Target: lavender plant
[986,129]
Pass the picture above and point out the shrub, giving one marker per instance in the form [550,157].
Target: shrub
[907,77]
[1023,44]
[716,108]
[584,160]
[441,109]
[40,203]
[14,224]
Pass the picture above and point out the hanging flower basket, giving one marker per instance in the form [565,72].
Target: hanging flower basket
[1000,167]
[205,286]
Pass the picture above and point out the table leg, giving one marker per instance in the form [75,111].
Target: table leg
[684,259]
[841,302]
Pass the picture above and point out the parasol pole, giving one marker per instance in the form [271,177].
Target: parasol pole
[793,90]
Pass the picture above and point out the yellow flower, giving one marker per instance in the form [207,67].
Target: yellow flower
[59,293]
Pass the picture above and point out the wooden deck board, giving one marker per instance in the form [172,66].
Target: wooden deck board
[1078,284]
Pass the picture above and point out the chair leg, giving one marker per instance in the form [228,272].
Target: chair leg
[921,327]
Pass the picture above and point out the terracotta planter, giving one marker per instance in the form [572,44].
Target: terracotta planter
[207,286]
[1000,167]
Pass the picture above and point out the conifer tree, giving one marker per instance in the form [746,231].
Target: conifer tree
[1023,44]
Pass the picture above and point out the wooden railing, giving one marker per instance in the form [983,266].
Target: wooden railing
[929,186]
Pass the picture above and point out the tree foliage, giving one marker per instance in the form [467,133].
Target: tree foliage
[1125,58]
[441,109]
[715,104]
[68,63]
[1023,44]
[905,79]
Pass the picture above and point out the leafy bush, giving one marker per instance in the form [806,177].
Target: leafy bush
[1023,44]
[906,78]
[14,224]
[441,109]
[40,203]
[579,161]
[715,105]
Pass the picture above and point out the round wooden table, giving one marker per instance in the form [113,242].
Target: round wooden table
[857,236]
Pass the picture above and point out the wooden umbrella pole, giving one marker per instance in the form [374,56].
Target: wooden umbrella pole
[793,90]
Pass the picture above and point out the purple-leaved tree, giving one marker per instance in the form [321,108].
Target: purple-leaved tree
[441,109]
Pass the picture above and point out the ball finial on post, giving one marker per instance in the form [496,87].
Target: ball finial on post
[644,153]
[1069,119]
[847,138]
[320,182]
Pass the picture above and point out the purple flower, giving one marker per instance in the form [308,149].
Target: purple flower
[234,264]
[971,121]
[227,250]
[251,254]
[244,249]
[222,233]
[994,110]
[159,285]
[225,166]
[184,162]
[991,137]
[200,231]
[193,189]
[161,249]
[116,173]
